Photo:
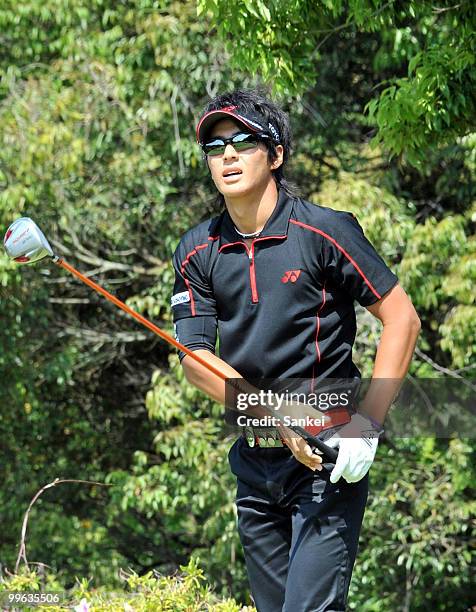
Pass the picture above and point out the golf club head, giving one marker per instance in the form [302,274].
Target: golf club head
[25,243]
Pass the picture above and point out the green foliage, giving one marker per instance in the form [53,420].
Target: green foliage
[431,106]
[186,480]
[183,592]
[418,526]
[439,271]
[98,102]
[281,39]
[97,146]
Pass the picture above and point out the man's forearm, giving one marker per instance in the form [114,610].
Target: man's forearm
[393,358]
[206,381]
[214,387]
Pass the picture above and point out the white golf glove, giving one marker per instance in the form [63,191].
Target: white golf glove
[357,442]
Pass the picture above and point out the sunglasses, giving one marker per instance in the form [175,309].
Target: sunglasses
[240,142]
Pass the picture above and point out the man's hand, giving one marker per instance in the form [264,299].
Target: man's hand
[301,449]
[357,442]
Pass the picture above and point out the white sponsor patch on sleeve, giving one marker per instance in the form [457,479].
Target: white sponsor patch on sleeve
[180,298]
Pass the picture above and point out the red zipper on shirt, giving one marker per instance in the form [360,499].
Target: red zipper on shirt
[251,258]
[254,290]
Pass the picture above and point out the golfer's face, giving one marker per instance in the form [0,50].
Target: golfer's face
[237,174]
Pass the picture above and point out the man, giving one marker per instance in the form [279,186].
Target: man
[277,277]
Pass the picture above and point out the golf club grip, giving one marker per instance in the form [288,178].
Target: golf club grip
[329,452]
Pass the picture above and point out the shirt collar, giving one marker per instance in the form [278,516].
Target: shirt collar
[276,225]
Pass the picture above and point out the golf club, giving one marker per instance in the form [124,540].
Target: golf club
[25,243]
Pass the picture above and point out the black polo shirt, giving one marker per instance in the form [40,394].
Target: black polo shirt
[284,307]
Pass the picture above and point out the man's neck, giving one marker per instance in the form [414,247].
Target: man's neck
[250,213]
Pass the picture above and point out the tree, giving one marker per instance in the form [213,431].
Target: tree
[97,146]
[432,104]
[98,106]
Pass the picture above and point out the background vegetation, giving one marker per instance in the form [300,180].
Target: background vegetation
[98,102]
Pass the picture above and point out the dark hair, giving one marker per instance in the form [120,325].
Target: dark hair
[254,100]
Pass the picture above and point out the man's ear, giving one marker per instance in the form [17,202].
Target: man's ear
[279,157]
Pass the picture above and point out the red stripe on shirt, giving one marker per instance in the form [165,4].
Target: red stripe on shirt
[193,252]
[318,327]
[352,261]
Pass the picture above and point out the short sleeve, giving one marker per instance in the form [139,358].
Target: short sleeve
[192,294]
[351,261]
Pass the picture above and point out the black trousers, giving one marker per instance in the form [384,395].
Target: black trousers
[299,531]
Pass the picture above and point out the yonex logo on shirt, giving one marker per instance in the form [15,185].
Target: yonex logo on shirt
[290,275]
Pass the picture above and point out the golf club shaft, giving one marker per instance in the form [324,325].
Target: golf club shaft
[310,439]
[167,337]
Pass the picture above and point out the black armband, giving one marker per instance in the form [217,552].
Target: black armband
[196,333]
